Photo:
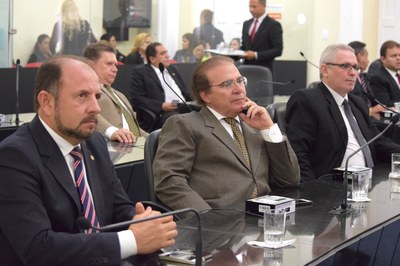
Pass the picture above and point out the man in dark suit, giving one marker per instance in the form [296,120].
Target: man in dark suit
[117,120]
[386,82]
[317,124]
[44,189]
[362,88]
[150,91]
[206,32]
[199,161]
[261,37]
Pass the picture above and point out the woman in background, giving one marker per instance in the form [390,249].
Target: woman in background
[41,51]
[138,53]
[234,44]
[185,55]
[71,34]
[112,40]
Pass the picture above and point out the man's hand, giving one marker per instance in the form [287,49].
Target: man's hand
[123,136]
[154,234]
[169,106]
[249,55]
[257,116]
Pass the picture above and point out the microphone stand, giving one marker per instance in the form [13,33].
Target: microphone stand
[344,208]
[18,63]
[162,67]
[311,63]
[85,224]
[276,82]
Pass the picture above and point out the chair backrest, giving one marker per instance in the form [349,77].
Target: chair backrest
[150,149]
[278,113]
[260,92]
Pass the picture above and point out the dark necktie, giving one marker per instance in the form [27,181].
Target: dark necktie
[357,132]
[132,123]
[398,78]
[86,200]
[361,79]
[240,142]
[253,30]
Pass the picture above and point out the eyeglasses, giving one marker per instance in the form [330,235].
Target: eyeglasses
[346,67]
[230,83]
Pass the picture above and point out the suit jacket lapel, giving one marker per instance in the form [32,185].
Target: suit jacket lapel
[221,134]
[154,76]
[53,159]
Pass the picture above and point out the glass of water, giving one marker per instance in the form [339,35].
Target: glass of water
[274,227]
[395,165]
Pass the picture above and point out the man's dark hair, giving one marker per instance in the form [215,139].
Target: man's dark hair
[151,51]
[207,14]
[93,51]
[357,46]
[387,45]
[49,76]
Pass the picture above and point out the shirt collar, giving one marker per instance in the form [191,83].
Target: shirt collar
[338,98]
[219,116]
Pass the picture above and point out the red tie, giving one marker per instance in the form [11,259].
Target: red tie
[398,78]
[253,30]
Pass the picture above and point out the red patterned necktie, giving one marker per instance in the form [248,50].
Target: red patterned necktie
[86,200]
[253,30]
[398,78]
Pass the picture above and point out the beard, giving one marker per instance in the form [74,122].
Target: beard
[74,132]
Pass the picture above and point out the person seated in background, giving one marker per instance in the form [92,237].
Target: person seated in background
[219,156]
[327,123]
[198,52]
[41,51]
[56,170]
[117,120]
[138,54]
[234,44]
[150,91]
[374,67]
[206,32]
[112,40]
[185,55]
[362,87]
[386,82]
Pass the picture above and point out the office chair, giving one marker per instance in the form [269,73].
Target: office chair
[144,114]
[260,92]
[277,112]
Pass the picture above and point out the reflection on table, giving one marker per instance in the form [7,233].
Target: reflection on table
[369,233]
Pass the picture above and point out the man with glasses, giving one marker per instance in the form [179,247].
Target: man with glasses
[221,156]
[326,124]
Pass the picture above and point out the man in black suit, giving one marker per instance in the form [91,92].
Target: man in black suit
[386,82]
[261,37]
[43,191]
[206,32]
[362,88]
[150,91]
[317,126]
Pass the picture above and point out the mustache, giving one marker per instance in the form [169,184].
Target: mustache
[90,118]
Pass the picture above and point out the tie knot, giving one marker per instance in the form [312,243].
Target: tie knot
[230,121]
[76,153]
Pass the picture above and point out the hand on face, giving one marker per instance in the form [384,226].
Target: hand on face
[257,116]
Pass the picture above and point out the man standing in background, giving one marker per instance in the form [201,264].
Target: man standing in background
[206,32]
[261,37]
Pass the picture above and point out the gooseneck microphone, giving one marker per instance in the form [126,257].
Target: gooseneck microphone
[18,64]
[373,99]
[344,205]
[308,61]
[84,223]
[277,82]
[162,67]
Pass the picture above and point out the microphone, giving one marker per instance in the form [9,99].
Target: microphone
[84,223]
[344,205]
[276,82]
[162,67]
[18,64]
[311,63]
[373,99]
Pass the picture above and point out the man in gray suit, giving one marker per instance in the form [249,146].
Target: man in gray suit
[117,120]
[201,161]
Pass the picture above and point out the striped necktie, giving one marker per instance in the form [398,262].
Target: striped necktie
[240,142]
[88,209]
[357,132]
[361,79]
[132,123]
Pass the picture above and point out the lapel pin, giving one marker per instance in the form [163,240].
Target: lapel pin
[91,157]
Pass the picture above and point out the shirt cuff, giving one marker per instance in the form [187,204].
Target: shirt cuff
[110,131]
[127,243]
[272,134]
